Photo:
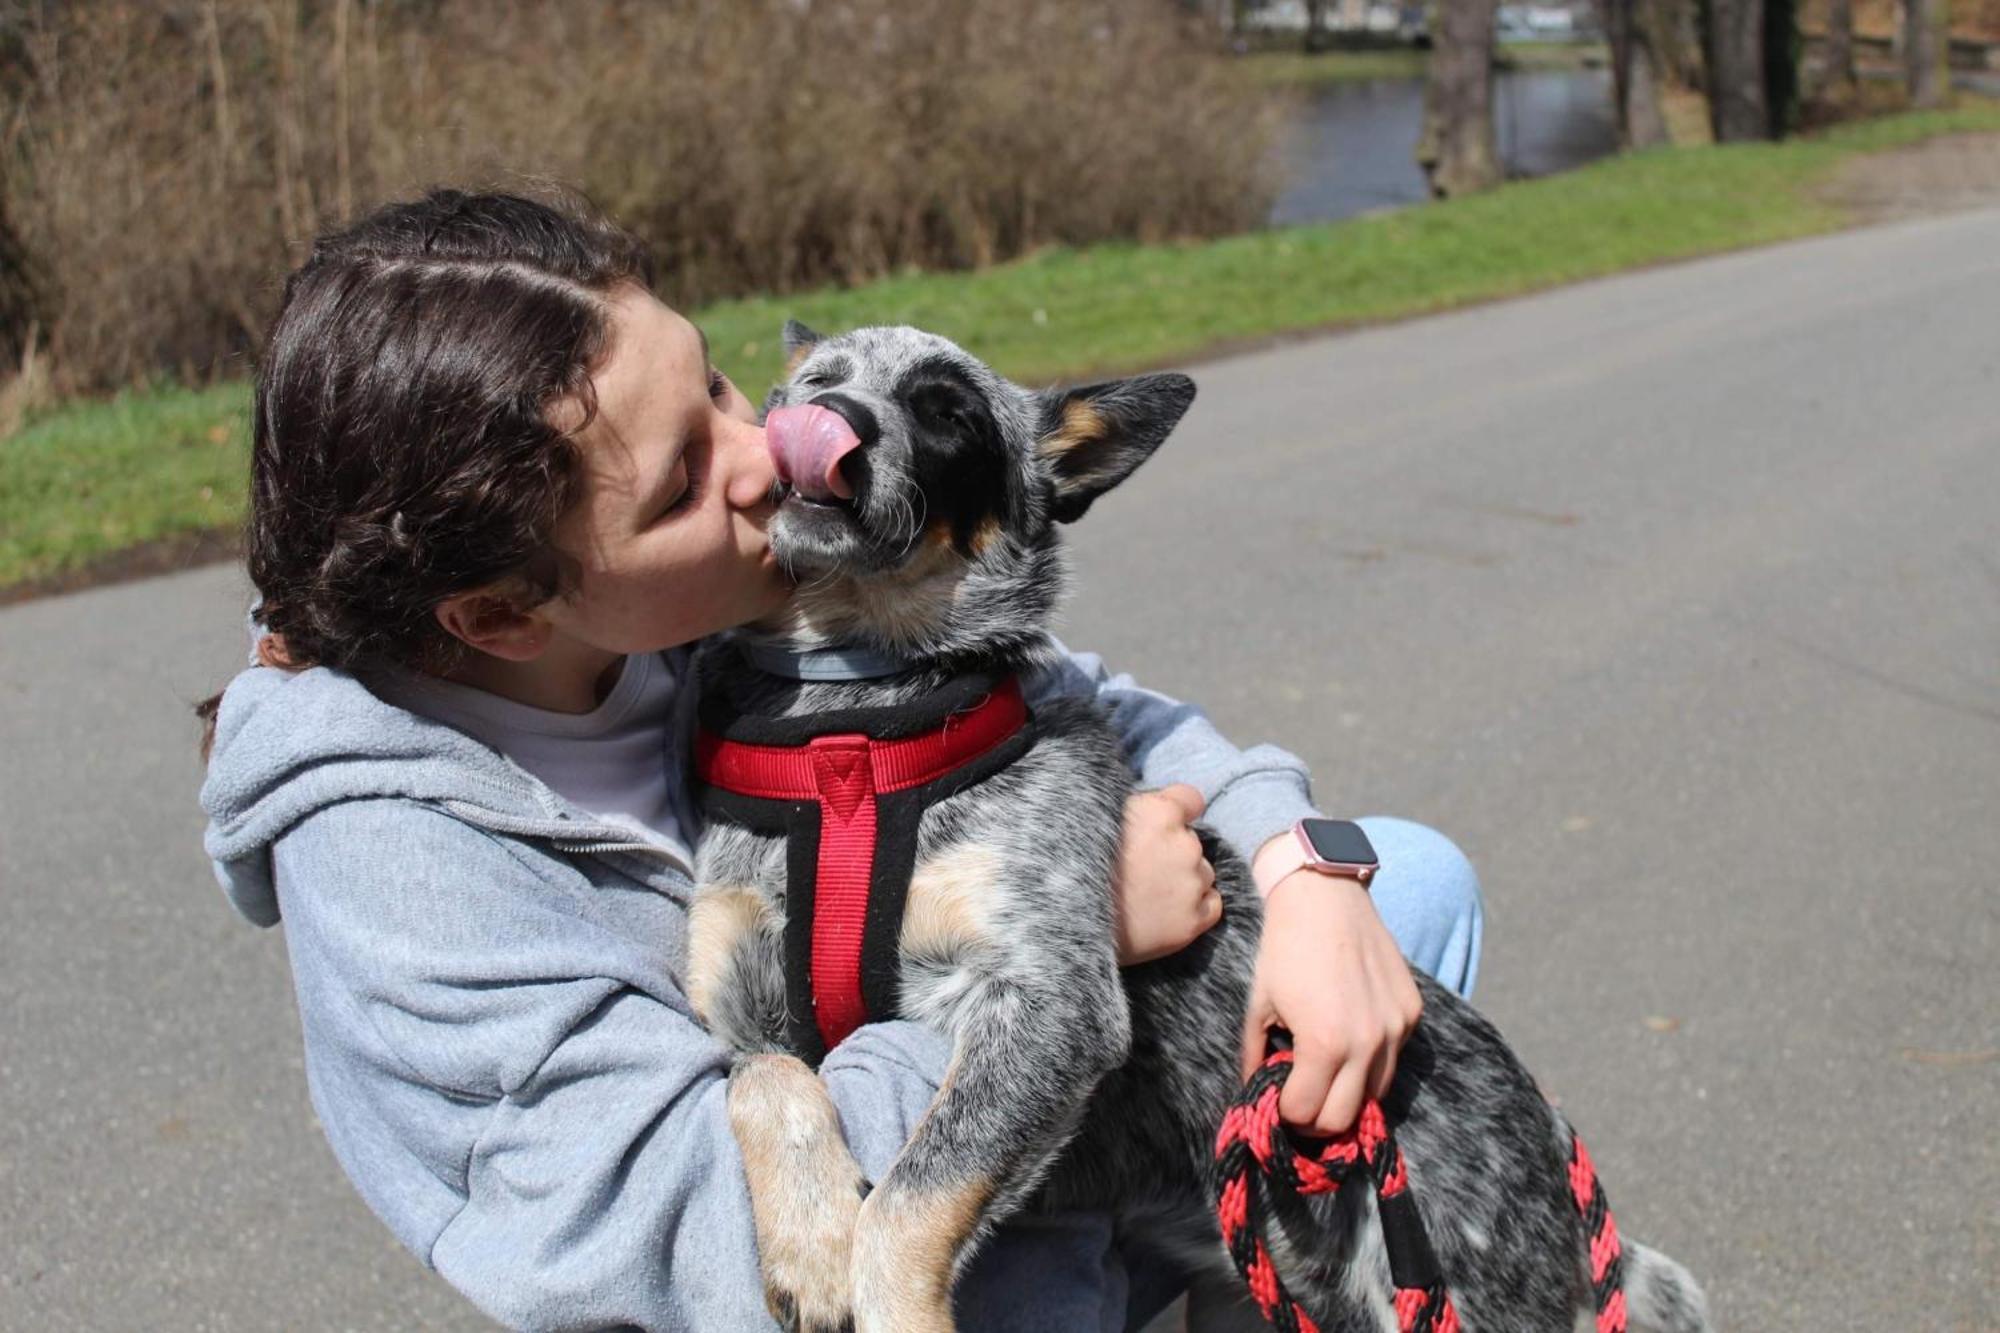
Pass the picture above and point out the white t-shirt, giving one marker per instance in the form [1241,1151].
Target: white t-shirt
[613,761]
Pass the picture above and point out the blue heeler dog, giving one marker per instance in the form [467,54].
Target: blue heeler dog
[921,497]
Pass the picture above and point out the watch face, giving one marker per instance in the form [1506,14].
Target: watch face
[1339,840]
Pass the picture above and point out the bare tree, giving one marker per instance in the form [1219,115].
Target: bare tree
[1738,108]
[1927,49]
[1635,30]
[1456,149]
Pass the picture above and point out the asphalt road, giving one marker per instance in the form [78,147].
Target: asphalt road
[1674,598]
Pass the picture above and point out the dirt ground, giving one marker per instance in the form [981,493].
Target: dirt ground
[1945,175]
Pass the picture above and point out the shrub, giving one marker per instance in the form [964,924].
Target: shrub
[168,161]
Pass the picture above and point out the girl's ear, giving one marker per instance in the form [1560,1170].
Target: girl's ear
[493,623]
[1094,437]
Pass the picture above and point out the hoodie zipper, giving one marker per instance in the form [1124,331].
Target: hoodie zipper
[568,835]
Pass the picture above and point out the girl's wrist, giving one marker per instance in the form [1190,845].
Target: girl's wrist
[1277,860]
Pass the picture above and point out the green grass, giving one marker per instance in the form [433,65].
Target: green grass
[86,480]
[1296,69]
[93,478]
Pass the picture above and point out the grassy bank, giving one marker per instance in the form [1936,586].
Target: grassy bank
[92,479]
[1296,69]
[86,481]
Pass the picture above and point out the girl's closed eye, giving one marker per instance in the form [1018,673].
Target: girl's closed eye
[689,491]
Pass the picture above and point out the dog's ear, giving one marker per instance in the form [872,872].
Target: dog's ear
[1094,437]
[799,342]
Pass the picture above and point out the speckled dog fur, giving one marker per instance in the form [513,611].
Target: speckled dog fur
[1072,1085]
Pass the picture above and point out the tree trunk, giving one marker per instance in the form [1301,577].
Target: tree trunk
[1737,108]
[17,291]
[1836,71]
[1315,25]
[1645,114]
[1927,48]
[1635,73]
[1678,24]
[1456,149]
[1781,64]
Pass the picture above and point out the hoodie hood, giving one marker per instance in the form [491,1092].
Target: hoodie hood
[288,744]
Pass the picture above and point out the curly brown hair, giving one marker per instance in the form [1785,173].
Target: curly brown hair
[402,448]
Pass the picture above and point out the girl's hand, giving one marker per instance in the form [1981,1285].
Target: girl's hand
[1165,889]
[1329,971]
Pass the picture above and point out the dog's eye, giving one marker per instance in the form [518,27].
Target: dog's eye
[939,408]
[829,372]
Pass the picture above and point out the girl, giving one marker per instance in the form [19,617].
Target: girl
[498,492]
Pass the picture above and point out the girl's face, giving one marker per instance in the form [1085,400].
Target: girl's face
[667,534]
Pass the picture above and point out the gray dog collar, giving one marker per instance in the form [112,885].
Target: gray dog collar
[825,663]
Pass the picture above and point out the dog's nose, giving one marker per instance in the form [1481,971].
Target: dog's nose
[854,412]
[854,466]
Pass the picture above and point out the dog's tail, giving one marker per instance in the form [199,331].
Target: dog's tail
[1660,1295]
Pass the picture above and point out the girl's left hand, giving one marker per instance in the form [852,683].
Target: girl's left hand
[1166,898]
[1329,971]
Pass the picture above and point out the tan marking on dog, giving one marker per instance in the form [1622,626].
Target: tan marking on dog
[798,358]
[1081,424]
[945,914]
[905,1246]
[717,923]
[988,532]
[805,1190]
[1078,467]
[941,534]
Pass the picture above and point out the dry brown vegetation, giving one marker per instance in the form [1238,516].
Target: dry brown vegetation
[1971,20]
[165,162]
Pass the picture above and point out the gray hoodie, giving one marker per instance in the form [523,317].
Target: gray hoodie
[496,1040]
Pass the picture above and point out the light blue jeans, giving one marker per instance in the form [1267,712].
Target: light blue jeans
[1428,897]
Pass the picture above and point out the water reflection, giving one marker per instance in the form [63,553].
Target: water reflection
[1349,149]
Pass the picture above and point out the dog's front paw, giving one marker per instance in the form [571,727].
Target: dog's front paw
[806,1259]
[805,1190]
[906,1243]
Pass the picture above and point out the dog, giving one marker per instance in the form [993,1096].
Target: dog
[921,497]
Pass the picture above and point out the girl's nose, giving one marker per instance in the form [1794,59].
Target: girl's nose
[751,472]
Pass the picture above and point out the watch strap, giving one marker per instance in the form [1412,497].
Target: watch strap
[1289,852]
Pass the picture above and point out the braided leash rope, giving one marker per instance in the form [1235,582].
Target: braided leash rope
[1255,1154]
[1607,1256]
[1258,1160]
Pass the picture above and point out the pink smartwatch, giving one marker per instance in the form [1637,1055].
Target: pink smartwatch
[1337,847]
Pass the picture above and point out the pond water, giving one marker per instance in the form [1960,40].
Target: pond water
[1349,147]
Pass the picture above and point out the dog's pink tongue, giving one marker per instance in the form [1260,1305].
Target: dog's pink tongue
[807,444]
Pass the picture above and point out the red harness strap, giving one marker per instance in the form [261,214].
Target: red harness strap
[845,774]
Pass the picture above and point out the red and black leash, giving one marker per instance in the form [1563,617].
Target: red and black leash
[1257,1159]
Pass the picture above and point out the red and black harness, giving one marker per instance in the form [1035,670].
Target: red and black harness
[847,790]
